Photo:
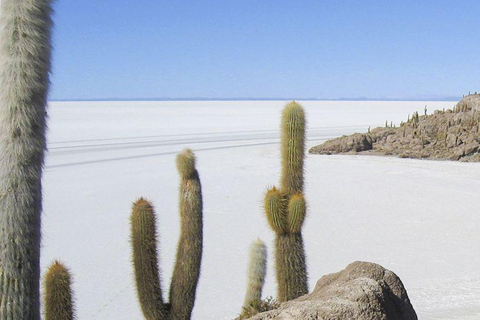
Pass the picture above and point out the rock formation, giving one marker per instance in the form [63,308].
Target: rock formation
[443,135]
[363,291]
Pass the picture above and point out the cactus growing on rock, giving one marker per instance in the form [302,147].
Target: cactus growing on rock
[24,70]
[58,297]
[285,209]
[189,252]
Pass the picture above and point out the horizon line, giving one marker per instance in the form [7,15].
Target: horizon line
[446,98]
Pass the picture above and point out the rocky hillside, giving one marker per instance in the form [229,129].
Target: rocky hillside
[443,135]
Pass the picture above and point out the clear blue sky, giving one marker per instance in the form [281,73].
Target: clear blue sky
[265,49]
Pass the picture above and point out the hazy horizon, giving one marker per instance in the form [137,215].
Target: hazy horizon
[446,98]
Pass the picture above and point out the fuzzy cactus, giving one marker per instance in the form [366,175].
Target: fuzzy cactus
[189,251]
[58,296]
[286,208]
[25,49]
[257,269]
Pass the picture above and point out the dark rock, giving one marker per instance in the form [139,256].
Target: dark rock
[363,291]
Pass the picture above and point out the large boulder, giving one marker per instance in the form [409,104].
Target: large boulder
[363,291]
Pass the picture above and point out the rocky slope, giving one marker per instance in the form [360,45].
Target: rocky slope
[443,135]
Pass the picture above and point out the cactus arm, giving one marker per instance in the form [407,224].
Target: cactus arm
[25,48]
[189,251]
[275,210]
[58,296]
[297,209]
[145,263]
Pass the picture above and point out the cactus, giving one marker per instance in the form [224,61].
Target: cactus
[189,252]
[147,276]
[293,148]
[285,209]
[58,296]
[257,269]
[24,70]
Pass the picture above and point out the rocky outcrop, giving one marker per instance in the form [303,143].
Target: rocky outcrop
[443,135]
[363,291]
[357,142]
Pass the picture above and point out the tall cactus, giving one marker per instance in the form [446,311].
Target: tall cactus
[186,272]
[189,251]
[285,209]
[257,269]
[58,296]
[25,65]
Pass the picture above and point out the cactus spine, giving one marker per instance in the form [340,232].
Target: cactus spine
[286,208]
[58,297]
[189,252]
[257,269]
[24,70]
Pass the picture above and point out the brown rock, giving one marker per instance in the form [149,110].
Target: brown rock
[363,291]
[354,143]
[451,135]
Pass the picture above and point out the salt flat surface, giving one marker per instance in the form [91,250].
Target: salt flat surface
[418,218]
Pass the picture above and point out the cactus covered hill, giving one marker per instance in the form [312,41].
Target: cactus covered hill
[443,135]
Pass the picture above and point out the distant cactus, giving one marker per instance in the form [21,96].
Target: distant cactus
[189,252]
[58,296]
[257,269]
[285,209]
[25,50]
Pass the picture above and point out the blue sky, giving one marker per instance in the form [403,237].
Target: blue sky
[265,49]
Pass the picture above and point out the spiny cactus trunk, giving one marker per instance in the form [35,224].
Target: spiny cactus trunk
[257,269]
[189,251]
[290,266]
[25,65]
[145,263]
[58,297]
